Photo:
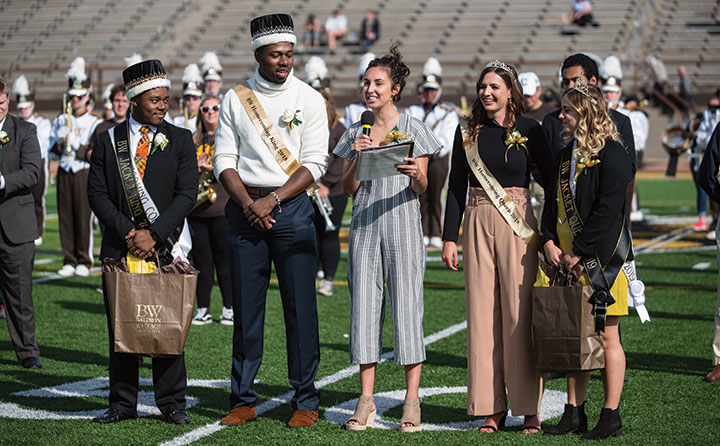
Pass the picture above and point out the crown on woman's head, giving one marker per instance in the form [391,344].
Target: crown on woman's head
[502,65]
[581,86]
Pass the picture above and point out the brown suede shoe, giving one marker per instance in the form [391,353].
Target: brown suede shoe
[303,418]
[714,375]
[239,416]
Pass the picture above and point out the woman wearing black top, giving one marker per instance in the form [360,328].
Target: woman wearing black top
[595,171]
[499,265]
[208,223]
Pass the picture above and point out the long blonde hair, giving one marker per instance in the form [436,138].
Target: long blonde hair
[594,124]
[200,130]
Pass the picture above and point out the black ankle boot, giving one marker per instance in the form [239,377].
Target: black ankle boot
[608,426]
[573,420]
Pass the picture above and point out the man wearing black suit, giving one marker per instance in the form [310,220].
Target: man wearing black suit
[168,171]
[571,68]
[19,172]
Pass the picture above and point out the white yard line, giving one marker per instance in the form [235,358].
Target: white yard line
[701,266]
[272,403]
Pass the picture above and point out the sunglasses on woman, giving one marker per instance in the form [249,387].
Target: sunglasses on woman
[206,109]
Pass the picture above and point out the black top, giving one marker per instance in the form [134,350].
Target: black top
[333,176]
[492,149]
[171,179]
[600,202]
[553,130]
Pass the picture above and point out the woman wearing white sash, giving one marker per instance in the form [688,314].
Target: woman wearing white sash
[499,263]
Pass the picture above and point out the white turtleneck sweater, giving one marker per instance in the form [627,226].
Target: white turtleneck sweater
[238,144]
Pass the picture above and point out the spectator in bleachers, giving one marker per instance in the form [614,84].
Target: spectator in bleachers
[312,31]
[710,119]
[442,118]
[26,108]
[386,245]
[191,95]
[335,28]
[581,13]
[535,107]
[68,140]
[369,29]
[212,74]
[493,153]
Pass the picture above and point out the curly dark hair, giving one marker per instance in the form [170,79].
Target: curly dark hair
[396,67]
[514,106]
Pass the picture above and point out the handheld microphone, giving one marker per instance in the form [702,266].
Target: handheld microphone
[367,119]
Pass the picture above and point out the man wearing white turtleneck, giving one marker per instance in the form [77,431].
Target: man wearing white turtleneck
[270,217]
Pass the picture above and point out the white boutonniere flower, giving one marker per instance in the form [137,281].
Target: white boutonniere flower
[4,138]
[290,118]
[160,142]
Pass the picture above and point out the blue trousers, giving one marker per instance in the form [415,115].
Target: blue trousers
[290,246]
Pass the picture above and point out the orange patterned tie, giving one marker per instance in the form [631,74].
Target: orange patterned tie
[142,151]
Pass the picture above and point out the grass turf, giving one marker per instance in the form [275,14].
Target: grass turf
[664,401]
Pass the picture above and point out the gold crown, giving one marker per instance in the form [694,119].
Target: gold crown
[581,86]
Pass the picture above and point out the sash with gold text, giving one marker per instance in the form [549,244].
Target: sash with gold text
[495,191]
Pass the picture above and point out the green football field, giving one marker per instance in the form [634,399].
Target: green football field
[665,400]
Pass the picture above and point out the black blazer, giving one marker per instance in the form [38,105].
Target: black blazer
[707,175]
[600,202]
[171,178]
[20,167]
[552,125]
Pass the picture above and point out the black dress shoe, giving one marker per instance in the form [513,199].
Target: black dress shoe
[573,420]
[113,416]
[609,425]
[31,363]
[177,416]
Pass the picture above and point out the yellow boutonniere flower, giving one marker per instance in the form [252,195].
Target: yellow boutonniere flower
[584,163]
[517,140]
[394,135]
[4,138]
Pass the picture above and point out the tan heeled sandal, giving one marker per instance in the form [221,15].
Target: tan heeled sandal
[364,415]
[411,415]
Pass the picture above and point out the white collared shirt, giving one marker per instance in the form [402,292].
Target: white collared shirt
[2,177]
[136,134]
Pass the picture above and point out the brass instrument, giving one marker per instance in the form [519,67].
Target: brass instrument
[675,140]
[67,109]
[205,190]
[325,208]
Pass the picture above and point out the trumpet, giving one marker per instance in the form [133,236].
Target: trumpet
[205,191]
[67,109]
[325,208]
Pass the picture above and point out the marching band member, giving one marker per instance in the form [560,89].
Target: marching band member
[353,111]
[442,118]
[212,74]
[69,138]
[191,95]
[26,109]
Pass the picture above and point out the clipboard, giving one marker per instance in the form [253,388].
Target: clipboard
[379,162]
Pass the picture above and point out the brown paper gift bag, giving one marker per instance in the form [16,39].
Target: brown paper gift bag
[563,326]
[150,313]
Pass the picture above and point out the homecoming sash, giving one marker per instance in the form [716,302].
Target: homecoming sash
[267,132]
[142,208]
[503,203]
[600,278]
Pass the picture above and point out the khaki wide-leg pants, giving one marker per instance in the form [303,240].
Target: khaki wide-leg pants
[500,270]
